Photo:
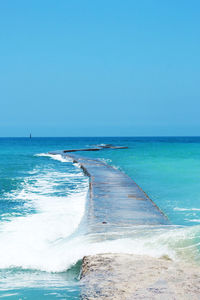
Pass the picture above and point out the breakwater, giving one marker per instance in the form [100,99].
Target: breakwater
[117,202]
[115,199]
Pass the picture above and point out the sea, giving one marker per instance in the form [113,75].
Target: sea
[43,204]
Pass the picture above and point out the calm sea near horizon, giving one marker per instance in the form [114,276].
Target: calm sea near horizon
[43,202]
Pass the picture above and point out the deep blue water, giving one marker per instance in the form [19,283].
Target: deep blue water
[43,199]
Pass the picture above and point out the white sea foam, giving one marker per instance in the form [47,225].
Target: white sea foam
[106,160]
[8,295]
[49,239]
[194,220]
[176,244]
[35,240]
[186,209]
[78,165]
[56,157]
[43,241]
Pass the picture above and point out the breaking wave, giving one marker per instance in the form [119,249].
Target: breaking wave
[50,234]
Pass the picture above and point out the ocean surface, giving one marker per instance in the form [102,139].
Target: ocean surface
[43,203]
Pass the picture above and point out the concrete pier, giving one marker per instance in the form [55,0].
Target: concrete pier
[116,202]
[115,199]
[135,277]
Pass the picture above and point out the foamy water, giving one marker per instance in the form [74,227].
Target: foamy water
[58,157]
[51,239]
[35,240]
[43,230]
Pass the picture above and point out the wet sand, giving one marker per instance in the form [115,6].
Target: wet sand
[127,276]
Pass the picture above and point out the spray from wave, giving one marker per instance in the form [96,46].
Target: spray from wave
[51,238]
[58,157]
[31,240]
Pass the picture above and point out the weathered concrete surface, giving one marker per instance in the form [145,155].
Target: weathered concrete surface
[117,202]
[115,199]
[125,276]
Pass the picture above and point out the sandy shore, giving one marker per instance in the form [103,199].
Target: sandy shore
[126,276]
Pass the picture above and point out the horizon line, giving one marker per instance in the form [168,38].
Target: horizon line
[101,136]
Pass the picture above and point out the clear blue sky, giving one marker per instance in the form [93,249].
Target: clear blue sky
[99,67]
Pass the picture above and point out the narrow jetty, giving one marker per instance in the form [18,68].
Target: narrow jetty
[115,199]
[97,148]
[116,202]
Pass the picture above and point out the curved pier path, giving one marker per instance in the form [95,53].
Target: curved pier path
[116,202]
[115,199]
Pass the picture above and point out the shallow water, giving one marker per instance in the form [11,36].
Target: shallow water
[43,201]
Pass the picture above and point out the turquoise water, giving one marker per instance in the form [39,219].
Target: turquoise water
[43,201]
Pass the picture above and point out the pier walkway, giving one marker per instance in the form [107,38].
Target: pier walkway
[117,203]
[115,199]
